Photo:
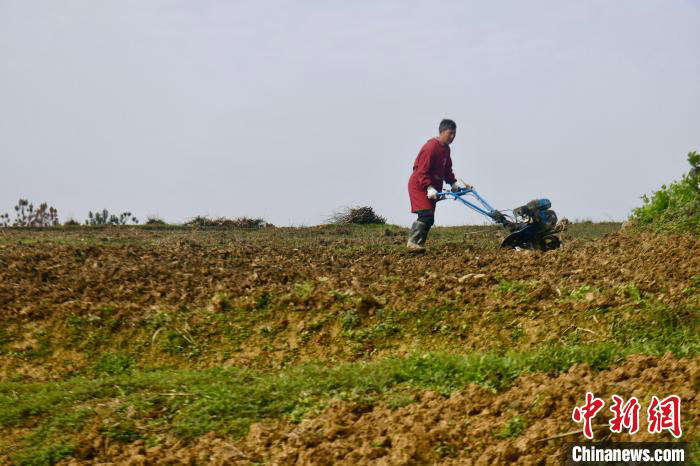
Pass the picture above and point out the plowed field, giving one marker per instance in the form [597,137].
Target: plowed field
[332,345]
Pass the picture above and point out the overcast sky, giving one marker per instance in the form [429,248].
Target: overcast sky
[289,110]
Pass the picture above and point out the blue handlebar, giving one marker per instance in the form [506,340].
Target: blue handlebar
[485,209]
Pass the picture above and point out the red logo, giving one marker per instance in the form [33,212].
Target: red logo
[665,415]
[587,412]
[662,415]
[625,415]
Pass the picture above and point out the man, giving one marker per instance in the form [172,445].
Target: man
[432,166]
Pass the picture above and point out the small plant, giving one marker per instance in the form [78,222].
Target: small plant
[517,333]
[220,303]
[581,292]
[263,301]
[694,287]
[445,450]
[356,215]
[122,432]
[350,320]
[304,289]
[631,291]
[105,218]
[515,286]
[180,341]
[513,428]
[113,364]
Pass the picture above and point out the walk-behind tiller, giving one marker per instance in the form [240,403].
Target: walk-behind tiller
[532,226]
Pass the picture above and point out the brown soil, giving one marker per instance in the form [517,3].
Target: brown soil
[42,280]
[447,299]
[328,296]
[460,429]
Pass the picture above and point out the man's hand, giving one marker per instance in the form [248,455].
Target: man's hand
[432,193]
[460,185]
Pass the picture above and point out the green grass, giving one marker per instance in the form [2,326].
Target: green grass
[515,286]
[581,292]
[513,428]
[113,364]
[227,400]
[45,455]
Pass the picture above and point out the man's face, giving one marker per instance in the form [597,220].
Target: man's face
[447,136]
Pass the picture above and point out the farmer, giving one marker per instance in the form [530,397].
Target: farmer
[432,166]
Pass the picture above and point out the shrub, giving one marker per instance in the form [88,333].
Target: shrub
[71,222]
[155,221]
[27,216]
[356,215]
[674,207]
[239,222]
[105,218]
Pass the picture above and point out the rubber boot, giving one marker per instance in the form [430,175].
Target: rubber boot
[417,236]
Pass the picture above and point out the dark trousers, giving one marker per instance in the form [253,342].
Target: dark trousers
[427,217]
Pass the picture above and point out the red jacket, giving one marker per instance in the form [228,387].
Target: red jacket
[432,166]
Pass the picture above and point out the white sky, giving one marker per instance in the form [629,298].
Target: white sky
[289,110]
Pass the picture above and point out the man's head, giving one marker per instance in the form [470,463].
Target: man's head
[447,131]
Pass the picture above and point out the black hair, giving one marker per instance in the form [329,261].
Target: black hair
[447,124]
